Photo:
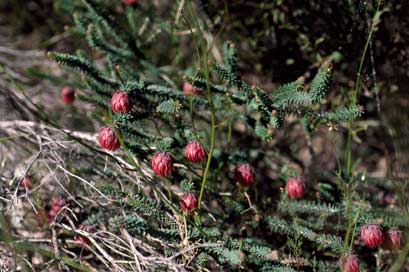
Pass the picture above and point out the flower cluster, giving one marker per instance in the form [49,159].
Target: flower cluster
[57,203]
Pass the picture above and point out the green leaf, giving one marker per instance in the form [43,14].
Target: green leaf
[262,131]
[169,106]
[82,64]
[321,82]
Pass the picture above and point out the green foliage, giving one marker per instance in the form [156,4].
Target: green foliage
[109,190]
[169,106]
[262,131]
[291,95]
[83,65]
[165,119]
[144,205]
[324,241]
[278,225]
[321,82]
[187,185]
[202,259]
[305,206]
[343,114]
[231,58]
[134,224]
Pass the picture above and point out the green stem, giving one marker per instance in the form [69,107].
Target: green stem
[206,49]
[350,220]
[356,93]
[353,230]
[213,131]
[348,150]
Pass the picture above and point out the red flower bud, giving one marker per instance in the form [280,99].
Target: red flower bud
[107,139]
[57,203]
[26,183]
[372,235]
[189,89]
[67,95]
[393,240]
[121,103]
[295,187]
[162,164]
[188,202]
[130,2]
[388,199]
[244,174]
[349,263]
[195,152]
[80,240]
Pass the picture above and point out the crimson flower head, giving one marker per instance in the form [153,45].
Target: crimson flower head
[121,103]
[26,183]
[188,202]
[80,240]
[189,89]
[295,187]
[130,2]
[349,263]
[244,174]
[57,203]
[107,139]
[195,152]
[67,95]
[372,235]
[393,240]
[162,164]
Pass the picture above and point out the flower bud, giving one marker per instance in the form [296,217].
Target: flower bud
[107,139]
[244,174]
[295,187]
[349,263]
[393,240]
[389,199]
[195,152]
[130,2]
[188,202]
[57,203]
[67,95]
[162,164]
[189,89]
[26,183]
[121,103]
[372,235]
[80,240]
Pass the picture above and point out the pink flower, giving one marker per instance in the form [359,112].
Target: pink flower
[67,95]
[188,202]
[107,139]
[349,263]
[121,103]
[393,240]
[295,187]
[371,234]
[244,174]
[162,164]
[189,89]
[195,152]
[57,203]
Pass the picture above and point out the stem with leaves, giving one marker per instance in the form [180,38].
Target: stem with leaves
[348,151]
